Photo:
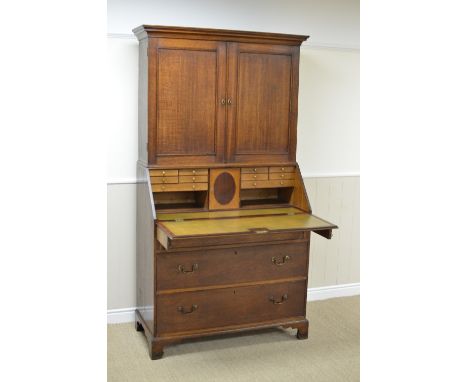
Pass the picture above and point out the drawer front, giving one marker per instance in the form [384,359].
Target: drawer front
[206,241]
[164,179]
[231,265]
[164,172]
[180,187]
[282,169]
[193,178]
[254,170]
[214,308]
[281,175]
[254,177]
[194,171]
[267,183]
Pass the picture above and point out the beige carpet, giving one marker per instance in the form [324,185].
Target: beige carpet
[330,354]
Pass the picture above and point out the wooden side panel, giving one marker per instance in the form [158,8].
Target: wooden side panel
[299,197]
[189,118]
[145,249]
[143,101]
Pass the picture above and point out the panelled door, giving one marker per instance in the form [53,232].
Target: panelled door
[185,108]
[262,102]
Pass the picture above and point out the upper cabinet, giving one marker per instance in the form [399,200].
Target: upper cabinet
[215,96]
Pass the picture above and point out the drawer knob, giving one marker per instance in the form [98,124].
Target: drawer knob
[284,297]
[182,310]
[275,261]
[255,170]
[194,172]
[282,168]
[182,269]
[164,172]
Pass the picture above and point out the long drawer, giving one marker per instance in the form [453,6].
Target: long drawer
[180,312]
[205,241]
[230,265]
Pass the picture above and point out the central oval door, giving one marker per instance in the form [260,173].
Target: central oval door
[224,188]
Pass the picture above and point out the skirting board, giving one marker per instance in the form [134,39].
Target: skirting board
[118,316]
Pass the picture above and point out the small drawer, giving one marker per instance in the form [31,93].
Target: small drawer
[267,183]
[282,175]
[195,171]
[254,177]
[164,179]
[215,308]
[254,170]
[282,169]
[193,178]
[180,187]
[164,172]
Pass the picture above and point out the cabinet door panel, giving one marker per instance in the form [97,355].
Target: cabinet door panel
[189,117]
[263,88]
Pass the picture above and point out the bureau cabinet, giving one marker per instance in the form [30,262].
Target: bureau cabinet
[223,218]
[231,101]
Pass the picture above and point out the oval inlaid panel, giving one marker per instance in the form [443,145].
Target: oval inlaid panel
[224,188]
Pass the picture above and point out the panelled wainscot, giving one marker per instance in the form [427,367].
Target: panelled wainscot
[223,219]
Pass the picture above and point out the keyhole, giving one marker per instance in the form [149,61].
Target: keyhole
[235,252]
[234,291]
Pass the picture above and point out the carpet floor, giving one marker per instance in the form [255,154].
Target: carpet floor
[330,354]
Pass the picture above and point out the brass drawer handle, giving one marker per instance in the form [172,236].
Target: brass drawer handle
[229,101]
[183,311]
[223,101]
[182,269]
[283,299]
[275,261]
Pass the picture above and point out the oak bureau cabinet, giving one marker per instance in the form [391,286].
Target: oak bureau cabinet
[223,218]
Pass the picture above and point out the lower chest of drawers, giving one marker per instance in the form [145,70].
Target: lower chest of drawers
[215,288]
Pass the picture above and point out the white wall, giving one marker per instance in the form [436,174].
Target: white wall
[328,22]
[328,124]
